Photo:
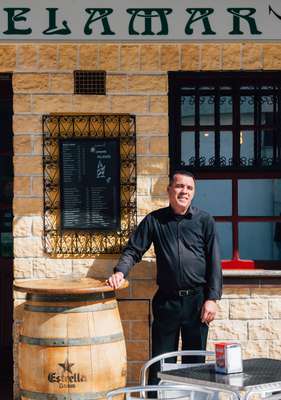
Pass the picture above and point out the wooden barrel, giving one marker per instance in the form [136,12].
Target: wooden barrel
[72,345]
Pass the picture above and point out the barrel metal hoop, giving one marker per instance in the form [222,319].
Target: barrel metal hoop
[58,342]
[70,309]
[70,297]
[67,396]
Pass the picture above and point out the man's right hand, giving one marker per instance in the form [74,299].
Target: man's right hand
[115,280]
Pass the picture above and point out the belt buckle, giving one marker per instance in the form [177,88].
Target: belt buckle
[183,293]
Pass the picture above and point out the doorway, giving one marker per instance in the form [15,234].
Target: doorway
[6,236]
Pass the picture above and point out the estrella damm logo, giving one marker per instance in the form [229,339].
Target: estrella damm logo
[67,379]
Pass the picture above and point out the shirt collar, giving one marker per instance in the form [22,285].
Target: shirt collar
[189,213]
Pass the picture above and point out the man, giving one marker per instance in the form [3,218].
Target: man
[188,269]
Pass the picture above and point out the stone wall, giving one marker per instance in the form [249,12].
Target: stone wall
[136,83]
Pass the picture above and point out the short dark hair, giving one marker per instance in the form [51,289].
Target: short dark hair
[179,172]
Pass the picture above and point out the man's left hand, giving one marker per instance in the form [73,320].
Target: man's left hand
[209,311]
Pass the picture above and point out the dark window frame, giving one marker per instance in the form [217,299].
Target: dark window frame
[236,171]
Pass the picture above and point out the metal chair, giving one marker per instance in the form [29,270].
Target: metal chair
[165,366]
[183,392]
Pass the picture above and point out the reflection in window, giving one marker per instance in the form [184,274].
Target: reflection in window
[259,241]
[226,110]
[187,147]
[246,147]
[214,196]
[207,110]
[224,230]
[247,110]
[259,197]
[226,147]
[207,147]
[187,110]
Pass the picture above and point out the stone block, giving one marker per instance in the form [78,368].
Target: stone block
[37,226]
[151,125]
[170,57]
[158,104]
[22,226]
[61,83]
[129,104]
[48,57]
[116,83]
[129,57]
[52,103]
[144,270]
[223,309]
[147,204]
[272,56]
[274,349]
[23,268]
[159,185]
[274,308]
[235,292]
[211,57]
[67,56]
[91,104]
[88,56]
[190,57]
[28,247]
[134,372]
[109,57]
[27,206]
[22,144]
[264,330]
[139,330]
[149,57]
[143,145]
[137,350]
[248,309]
[51,268]
[22,103]
[143,185]
[22,185]
[231,56]
[152,165]
[30,83]
[27,124]
[7,57]
[37,186]
[147,83]
[159,145]
[266,292]
[27,57]
[27,165]
[37,145]
[229,330]
[143,289]
[255,349]
[252,56]
[134,310]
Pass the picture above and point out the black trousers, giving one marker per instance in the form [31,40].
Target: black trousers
[174,315]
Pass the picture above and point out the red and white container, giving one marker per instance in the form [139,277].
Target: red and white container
[228,358]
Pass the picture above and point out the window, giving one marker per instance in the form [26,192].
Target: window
[226,129]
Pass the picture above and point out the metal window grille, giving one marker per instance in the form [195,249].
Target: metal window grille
[90,82]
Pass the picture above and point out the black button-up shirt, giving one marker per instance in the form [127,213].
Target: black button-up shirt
[186,249]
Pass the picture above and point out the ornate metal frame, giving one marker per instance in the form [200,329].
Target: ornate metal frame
[56,127]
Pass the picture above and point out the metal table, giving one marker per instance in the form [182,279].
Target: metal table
[262,375]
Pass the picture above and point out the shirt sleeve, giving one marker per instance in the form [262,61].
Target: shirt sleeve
[138,244]
[214,271]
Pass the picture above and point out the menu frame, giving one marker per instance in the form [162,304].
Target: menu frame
[88,130]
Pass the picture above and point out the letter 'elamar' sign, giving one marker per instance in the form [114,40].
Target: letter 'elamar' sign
[142,20]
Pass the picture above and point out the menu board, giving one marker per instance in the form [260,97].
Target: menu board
[90,184]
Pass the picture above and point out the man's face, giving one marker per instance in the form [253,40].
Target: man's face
[181,193]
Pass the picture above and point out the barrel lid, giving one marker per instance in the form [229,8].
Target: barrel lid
[65,285]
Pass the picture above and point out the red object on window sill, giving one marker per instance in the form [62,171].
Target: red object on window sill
[238,264]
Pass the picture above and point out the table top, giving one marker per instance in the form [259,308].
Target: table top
[65,285]
[257,373]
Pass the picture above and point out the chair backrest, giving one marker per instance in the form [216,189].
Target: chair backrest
[183,392]
[164,366]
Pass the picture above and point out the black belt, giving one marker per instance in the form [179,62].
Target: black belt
[182,292]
